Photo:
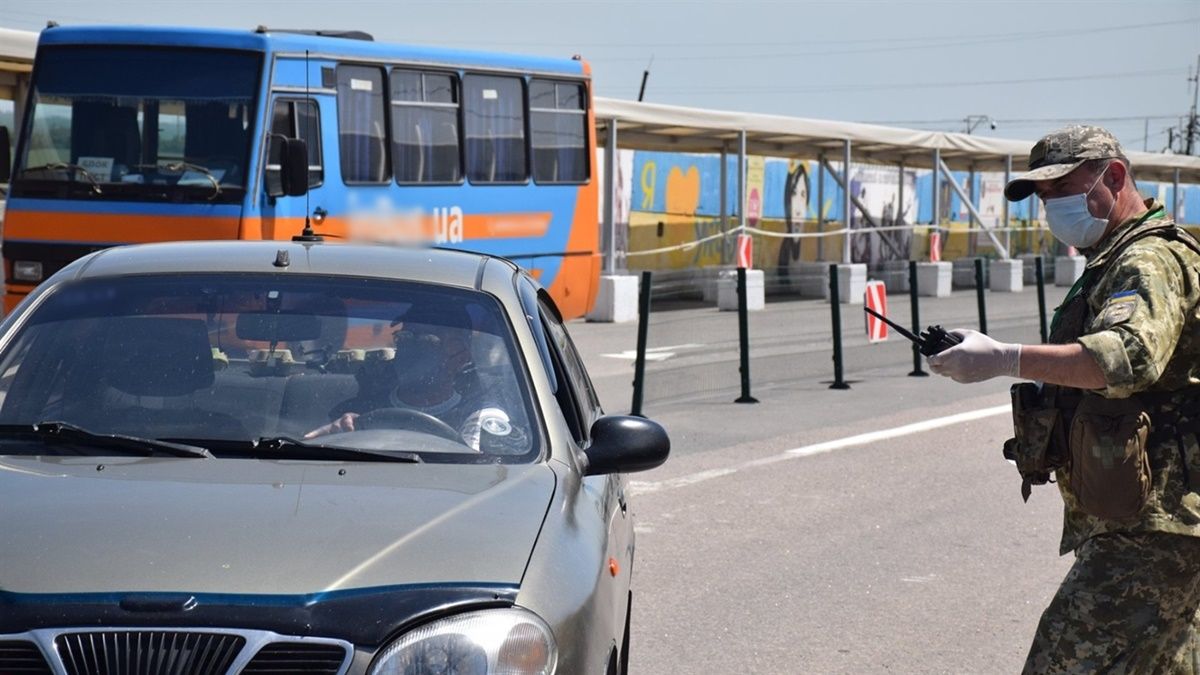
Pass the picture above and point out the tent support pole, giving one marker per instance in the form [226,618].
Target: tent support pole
[857,204]
[846,200]
[971,209]
[610,197]
[821,205]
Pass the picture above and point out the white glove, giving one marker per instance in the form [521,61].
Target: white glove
[977,358]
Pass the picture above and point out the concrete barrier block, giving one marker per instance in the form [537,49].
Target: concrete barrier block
[727,299]
[1028,267]
[1067,269]
[894,275]
[616,299]
[852,283]
[1007,276]
[708,287]
[934,279]
[812,279]
[963,275]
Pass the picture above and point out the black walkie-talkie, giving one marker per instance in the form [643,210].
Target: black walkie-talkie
[932,340]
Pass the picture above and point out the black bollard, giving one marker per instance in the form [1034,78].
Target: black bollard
[979,295]
[835,311]
[1040,273]
[639,365]
[916,319]
[744,338]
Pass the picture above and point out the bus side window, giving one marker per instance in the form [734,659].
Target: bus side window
[494,122]
[558,127]
[425,127]
[362,130]
[294,119]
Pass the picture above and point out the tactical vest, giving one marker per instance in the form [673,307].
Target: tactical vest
[1108,454]
[1112,465]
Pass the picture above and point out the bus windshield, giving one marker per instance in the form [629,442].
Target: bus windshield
[139,123]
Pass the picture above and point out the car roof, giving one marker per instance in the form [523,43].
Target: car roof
[414,263]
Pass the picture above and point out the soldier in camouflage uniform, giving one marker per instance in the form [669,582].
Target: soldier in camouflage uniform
[1117,416]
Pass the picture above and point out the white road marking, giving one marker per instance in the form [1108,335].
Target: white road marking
[652,353]
[645,487]
[924,579]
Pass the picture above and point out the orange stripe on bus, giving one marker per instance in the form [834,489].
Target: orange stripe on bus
[137,228]
[115,227]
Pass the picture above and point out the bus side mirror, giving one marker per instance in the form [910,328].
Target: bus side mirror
[5,156]
[293,166]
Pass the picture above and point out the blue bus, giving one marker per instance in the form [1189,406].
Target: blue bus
[137,134]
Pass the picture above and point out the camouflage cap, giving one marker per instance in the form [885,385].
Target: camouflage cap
[1061,152]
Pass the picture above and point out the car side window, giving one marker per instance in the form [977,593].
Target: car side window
[529,305]
[566,395]
[575,370]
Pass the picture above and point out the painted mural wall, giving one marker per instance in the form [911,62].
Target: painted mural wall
[672,200]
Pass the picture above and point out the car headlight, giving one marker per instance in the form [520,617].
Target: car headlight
[508,641]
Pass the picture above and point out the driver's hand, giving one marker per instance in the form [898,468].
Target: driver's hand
[340,425]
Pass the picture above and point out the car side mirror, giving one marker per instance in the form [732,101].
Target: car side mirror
[5,155]
[293,166]
[623,444]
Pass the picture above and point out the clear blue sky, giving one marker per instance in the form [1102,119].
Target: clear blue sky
[1026,63]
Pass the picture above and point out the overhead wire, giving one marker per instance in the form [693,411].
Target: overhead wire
[824,88]
[961,41]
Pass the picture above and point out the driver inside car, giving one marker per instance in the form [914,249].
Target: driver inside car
[430,385]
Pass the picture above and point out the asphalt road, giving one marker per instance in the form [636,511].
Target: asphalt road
[875,529]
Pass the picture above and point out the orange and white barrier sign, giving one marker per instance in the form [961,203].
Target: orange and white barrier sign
[876,299]
[935,246]
[745,251]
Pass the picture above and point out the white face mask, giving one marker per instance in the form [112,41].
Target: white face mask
[1071,221]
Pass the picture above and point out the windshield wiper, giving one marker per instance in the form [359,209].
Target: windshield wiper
[67,166]
[70,433]
[297,449]
[181,166]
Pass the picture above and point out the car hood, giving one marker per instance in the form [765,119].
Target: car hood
[76,525]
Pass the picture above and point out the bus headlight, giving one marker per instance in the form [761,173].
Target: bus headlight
[487,642]
[27,270]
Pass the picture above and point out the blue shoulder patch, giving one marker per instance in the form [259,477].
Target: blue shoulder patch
[1122,294]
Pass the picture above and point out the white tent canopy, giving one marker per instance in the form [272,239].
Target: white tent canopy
[652,126]
[17,48]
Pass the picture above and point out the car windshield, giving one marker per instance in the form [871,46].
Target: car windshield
[140,124]
[237,362]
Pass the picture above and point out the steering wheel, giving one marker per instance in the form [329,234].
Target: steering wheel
[406,418]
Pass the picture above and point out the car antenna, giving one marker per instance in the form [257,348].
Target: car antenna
[307,235]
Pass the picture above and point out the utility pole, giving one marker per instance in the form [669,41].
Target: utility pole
[645,76]
[1192,130]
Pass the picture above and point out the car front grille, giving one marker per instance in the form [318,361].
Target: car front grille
[296,658]
[18,657]
[174,651]
[147,652]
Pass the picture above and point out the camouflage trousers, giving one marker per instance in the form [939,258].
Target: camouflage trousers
[1128,605]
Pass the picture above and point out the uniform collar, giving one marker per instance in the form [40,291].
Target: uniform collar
[1101,252]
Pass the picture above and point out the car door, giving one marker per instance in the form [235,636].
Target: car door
[579,400]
